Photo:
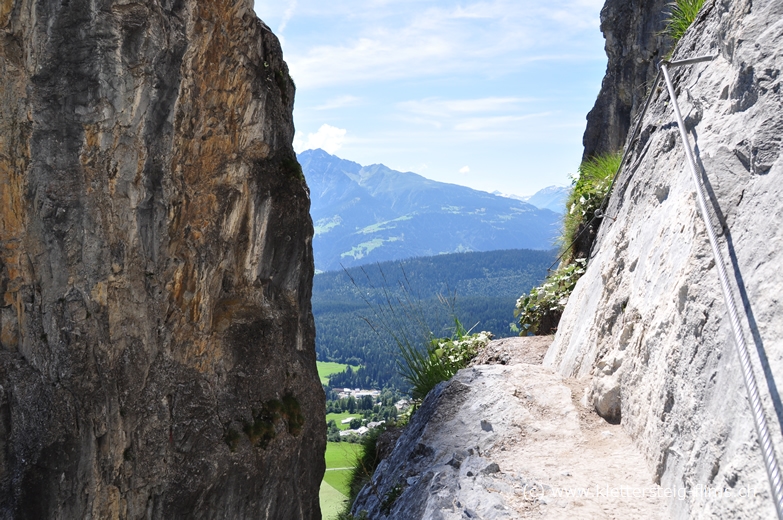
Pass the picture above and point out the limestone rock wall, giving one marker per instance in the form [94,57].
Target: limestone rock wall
[647,321]
[633,30]
[156,339]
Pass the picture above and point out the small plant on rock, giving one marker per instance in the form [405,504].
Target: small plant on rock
[590,187]
[440,360]
[425,360]
[539,312]
[682,14]
[391,497]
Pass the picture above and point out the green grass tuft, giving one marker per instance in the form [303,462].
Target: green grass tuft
[366,462]
[364,466]
[539,312]
[681,16]
[424,359]
[440,360]
[588,192]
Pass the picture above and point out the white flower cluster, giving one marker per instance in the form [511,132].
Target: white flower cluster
[551,296]
[461,350]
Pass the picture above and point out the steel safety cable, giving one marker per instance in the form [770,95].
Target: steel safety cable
[759,419]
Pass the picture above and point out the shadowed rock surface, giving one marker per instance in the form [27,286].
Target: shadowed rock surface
[635,43]
[156,340]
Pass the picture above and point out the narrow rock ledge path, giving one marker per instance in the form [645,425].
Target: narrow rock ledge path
[512,440]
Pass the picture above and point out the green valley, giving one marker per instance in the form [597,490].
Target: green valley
[327,368]
[340,458]
[355,328]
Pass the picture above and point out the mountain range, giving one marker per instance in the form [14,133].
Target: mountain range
[367,214]
[552,198]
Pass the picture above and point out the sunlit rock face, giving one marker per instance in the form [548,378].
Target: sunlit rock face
[647,322]
[157,344]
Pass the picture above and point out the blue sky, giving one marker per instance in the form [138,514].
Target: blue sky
[489,94]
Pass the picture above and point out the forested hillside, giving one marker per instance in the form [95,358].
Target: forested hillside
[353,320]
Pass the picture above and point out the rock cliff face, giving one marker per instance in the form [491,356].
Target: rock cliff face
[647,321]
[635,42]
[157,345]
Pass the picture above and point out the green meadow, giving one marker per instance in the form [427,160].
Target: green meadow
[332,501]
[342,454]
[337,417]
[340,459]
[327,368]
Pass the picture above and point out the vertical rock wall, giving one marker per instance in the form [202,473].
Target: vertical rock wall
[634,31]
[156,340]
[647,322]
[635,42]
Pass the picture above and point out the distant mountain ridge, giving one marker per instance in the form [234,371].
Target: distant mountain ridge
[366,214]
[551,197]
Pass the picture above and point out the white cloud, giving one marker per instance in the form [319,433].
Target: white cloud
[422,121]
[328,138]
[453,107]
[367,60]
[483,123]
[287,15]
[339,102]
[464,169]
[428,41]
[469,115]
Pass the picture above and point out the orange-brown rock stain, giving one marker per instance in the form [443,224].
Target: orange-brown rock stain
[90,157]
[14,158]
[6,6]
[13,161]
[209,131]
